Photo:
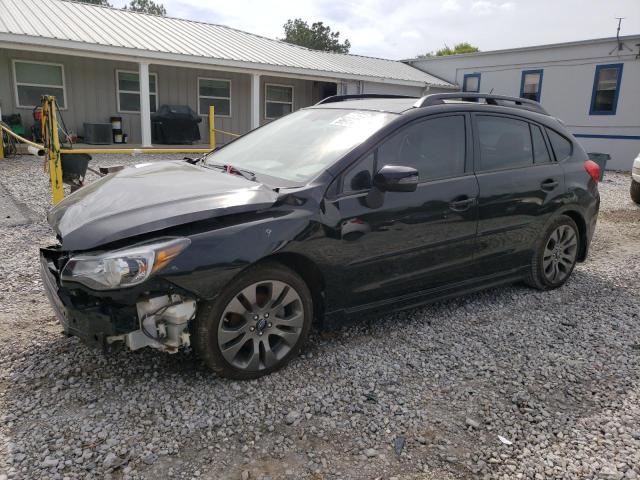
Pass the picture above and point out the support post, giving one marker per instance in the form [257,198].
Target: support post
[55,159]
[255,100]
[145,105]
[1,144]
[212,127]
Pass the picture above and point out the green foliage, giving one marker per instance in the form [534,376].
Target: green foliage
[104,3]
[316,37]
[146,6]
[464,47]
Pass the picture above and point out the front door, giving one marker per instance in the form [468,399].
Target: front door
[405,242]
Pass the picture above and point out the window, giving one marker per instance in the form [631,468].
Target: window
[359,177]
[34,79]
[562,147]
[278,100]
[212,91]
[504,143]
[540,152]
[531,84]
[606,87]
[128,86]
[471,82]
[435,147]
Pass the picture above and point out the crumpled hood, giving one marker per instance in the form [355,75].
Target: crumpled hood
[151,197]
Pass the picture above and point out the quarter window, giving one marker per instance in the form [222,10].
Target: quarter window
[278,100]
[35,79]
[504,143]
[531,84]
[606,87]
[359,177]
[471,83]
[435,147]
[562,147]
[540,152]
[128,86]
[212,91]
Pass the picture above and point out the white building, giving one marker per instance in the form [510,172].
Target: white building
[592,85]
[101,62]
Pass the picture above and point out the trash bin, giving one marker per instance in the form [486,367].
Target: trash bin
[601,159]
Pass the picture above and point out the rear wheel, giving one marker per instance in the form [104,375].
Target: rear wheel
[635,191]
[257,324]
[556,254]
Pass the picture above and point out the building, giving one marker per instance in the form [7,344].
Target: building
[592,85]
[101,62]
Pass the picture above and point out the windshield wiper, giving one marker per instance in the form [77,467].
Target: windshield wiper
[249,175]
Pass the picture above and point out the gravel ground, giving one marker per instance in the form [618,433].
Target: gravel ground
[508,383]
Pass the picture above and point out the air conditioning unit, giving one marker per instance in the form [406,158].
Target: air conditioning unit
[97,133]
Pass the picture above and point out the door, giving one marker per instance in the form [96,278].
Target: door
[521,185]
[405,242]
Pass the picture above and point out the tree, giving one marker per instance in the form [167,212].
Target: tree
[316,37]
[147,6]
[464,47]
[103,3]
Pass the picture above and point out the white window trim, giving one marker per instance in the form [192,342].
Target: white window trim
[118,91]
[266,85]
[15,82]
[206,114]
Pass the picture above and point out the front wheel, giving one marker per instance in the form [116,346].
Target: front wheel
[555,255]
[635,191]
[257,324]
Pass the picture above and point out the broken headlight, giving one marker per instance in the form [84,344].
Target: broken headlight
[122,268]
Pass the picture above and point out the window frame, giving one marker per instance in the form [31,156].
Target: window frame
[594,91]
[471,75]
[36,62]
[540,72]
[118,91]
[266,86]
[206,114]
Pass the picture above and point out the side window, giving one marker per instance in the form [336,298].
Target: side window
[504,143]
[606,88]
[435,147]
[562,147]
[359,177]
[540,152]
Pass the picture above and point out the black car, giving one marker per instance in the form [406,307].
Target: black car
[352,205]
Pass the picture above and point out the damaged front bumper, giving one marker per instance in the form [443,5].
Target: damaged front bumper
[159,317]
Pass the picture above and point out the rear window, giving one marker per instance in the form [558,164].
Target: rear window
[562,147]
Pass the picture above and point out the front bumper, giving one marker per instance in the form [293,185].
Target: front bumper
[89,324]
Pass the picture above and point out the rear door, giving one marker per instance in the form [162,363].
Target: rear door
[521,185]
[412,241]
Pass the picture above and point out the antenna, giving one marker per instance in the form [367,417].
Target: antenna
[620,45]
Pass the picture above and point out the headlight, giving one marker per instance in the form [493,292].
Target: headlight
[123,268]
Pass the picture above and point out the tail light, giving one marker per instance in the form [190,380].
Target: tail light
[593,169]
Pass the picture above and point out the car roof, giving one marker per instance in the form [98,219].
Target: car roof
[390,105]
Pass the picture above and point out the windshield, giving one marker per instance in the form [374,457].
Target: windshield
[302,144]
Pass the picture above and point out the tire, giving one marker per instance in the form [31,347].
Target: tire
[635,191]
[555,255]
[257,324]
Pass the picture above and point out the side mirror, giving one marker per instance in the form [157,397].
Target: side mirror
[395,178]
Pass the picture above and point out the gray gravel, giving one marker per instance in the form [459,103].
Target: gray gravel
[508,383]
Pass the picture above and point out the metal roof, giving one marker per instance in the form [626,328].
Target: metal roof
[89,28]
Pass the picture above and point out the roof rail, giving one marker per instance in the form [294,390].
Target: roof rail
[360,96]
[517,102]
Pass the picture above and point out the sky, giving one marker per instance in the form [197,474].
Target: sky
[400,29]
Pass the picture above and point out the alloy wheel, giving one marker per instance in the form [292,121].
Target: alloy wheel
[560,253]
[260,325]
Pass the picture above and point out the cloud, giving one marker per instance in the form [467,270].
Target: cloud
[450,6]
[485,7]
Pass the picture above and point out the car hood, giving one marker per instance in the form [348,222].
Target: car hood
[151,197]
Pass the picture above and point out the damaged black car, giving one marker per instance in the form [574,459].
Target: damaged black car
[353,205]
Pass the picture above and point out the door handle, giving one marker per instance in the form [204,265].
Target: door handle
[549,184]
[462,204]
